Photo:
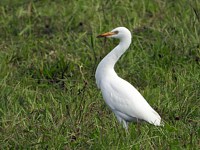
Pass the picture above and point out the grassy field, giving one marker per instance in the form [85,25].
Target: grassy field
[48,56]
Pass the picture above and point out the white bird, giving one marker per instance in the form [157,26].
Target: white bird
[122,98]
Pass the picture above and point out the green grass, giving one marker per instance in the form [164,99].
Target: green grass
[48,56]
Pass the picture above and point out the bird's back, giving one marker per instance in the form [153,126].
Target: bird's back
[123,98]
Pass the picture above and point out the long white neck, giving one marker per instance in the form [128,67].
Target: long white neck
[109,61]
[111,58]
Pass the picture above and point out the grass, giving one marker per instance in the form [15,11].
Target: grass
[49,53]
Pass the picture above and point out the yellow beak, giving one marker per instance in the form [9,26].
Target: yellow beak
[106,34]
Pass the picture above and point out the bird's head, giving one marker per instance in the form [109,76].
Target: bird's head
[119,33]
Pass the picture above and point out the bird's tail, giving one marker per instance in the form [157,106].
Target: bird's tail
[155,119]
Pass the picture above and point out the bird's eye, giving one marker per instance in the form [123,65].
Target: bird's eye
[116,32]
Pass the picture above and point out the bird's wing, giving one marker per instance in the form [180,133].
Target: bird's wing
[123,97]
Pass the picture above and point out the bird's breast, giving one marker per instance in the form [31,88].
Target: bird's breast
[104,76]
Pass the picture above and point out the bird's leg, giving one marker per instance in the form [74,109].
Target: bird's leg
[125,125]
[138,126]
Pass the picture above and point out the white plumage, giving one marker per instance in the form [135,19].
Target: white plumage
[122,98]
